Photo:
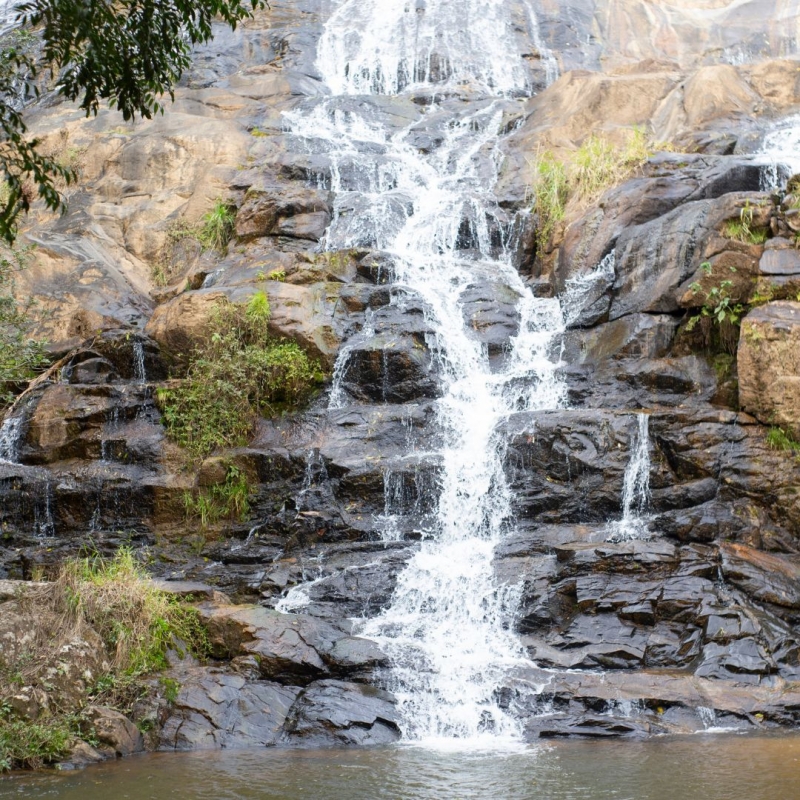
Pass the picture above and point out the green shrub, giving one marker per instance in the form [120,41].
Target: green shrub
[720,315]
[137,625]
[31,745]
[21,356]
[237,374]
[137,622]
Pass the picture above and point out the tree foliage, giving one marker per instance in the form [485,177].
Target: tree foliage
[129,53]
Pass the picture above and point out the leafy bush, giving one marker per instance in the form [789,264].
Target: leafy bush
[21,357]
[237,374]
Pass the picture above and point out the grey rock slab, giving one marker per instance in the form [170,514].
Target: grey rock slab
[289,647]
[332,712]
[785,261]
[214,710]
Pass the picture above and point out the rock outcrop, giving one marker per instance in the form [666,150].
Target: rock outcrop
[769,360]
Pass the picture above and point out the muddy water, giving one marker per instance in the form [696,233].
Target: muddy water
[706,767]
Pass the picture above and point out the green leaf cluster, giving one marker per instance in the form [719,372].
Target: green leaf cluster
[236,375]
[21,356]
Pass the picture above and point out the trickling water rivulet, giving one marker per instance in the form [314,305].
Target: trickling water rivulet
[10,433]
[432,209]
[636,485]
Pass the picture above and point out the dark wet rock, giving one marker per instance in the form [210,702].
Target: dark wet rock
[215,710]
[743,660]
[636,335]
[656,262]
[766,577]
[669,181]
[352,580]
[335,712]
[490,310]
[395,369]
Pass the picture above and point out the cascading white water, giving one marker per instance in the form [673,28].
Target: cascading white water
[10,433]
[636,486]
[445,630]
[781,152]
[582,290]
[139,369]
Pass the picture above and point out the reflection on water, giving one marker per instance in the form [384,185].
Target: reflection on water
[707,767]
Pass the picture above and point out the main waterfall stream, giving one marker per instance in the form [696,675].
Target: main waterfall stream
[432,209]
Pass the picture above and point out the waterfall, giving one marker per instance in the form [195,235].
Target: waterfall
[139,370]
[43,522]
[10,435]
[780,149]
[446,629]
[636,486]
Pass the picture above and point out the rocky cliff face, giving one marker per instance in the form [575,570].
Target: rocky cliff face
[699,611]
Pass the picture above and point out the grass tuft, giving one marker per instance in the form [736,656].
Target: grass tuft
[780,439]
[227,500]
[217,227]
[596,166]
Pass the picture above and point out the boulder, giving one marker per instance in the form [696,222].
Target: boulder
[113,730]
[290,648]
[769,365]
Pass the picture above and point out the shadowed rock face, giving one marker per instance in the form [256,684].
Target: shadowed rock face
[626,637]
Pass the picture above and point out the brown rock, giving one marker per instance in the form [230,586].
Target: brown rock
[114,730]
[769,364]
[284,211]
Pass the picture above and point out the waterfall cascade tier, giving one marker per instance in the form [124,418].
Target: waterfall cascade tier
[433,211]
